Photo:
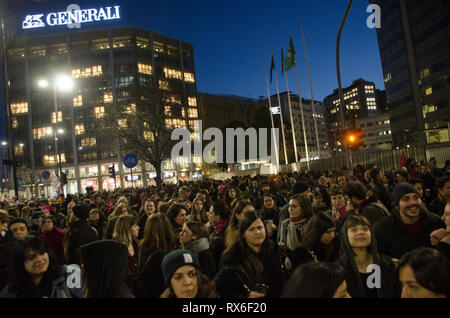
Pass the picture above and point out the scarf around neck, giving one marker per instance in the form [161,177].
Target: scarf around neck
[219,226]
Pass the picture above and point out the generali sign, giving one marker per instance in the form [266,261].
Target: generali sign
[72,17]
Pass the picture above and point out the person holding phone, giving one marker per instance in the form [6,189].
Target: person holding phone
[251,267]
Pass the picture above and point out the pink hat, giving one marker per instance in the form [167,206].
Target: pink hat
[46,207]
[221,187]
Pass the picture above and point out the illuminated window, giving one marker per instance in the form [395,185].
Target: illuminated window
[108,97]
[168,110]
[163,85]
[15,123]
[39,133]
[88,142]
[19,108]
[386,122]
[148,135]
[59,48]
[192,101]
[52,159]
[16,53]
[192,112]
[142,42]
[173,99]
[90,71]
[183,112]
[78,101]
[425,73]
[172,73]
[158,47]
[172,50]
[144,68]
[388,77]
[100,44]
[18,150]
[122,123]
[37,51]
[53,117]
[97,70]
[428,91]
[79,129]
[189,77]
[99,112]
[121,41]
[131,109]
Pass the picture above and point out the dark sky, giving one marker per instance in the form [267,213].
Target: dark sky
[230,38]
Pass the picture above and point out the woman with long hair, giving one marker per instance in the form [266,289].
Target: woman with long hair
[159,239]
[121,209]
[317,280]
[240,209]
[251,267]
[231,197]
[198,212]
[318,243]
[177,216]
[360,257]
[292,229]
[36,273]
[126,231]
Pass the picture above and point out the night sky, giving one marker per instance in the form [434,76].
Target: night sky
[231,37]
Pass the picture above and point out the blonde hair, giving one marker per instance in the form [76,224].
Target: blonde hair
[122,229]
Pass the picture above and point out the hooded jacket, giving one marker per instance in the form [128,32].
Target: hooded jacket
[373,210]
[395,240]
[79,233]
[105,263]
[388,280]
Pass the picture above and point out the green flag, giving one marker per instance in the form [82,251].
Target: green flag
[290,57]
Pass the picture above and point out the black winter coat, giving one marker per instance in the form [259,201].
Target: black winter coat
[80,233]
[233,280]
[217,244]
[356,283]
[382,193]
[395,240]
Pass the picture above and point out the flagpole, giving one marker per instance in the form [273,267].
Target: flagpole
[271,115]
[290,114]
[312,97]
[281,118]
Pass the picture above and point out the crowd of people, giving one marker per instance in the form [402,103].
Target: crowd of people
[363,234]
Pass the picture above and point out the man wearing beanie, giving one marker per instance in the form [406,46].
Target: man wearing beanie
[408,227]
[79,233]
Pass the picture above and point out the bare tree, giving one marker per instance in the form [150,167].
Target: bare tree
[141,128]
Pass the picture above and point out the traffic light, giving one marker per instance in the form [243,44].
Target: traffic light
[112,172]
[352,138]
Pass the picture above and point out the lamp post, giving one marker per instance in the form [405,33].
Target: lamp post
[63,83]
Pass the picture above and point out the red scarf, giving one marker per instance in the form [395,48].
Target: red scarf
[297,220]
[342,214]
[219,226]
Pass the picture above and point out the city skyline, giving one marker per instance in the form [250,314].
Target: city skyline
[231,39]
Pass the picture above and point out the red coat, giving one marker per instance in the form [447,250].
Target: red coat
[54,239]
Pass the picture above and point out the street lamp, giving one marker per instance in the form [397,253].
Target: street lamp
[4,143]
[62,83]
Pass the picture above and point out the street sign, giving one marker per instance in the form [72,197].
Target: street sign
[130,160]
[46,175]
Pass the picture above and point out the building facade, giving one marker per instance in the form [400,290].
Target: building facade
[415,56]
[376,132]
[113,70]
[310,123]
[360,102]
